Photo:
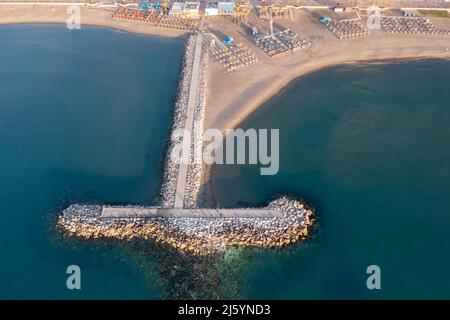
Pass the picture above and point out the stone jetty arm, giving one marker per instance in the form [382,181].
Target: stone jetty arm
[198,236]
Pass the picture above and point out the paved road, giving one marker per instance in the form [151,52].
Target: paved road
[192,102]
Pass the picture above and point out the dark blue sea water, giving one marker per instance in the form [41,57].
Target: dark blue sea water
[85,116]
[368,147]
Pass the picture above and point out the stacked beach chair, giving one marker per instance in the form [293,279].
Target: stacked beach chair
[177,23]
[410,25]
[156,18]
[281,43]
[348,28]
[233,57]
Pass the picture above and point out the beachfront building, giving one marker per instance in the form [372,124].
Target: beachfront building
[212,9]
[340,7]
[177,9]
[242,8]
[226,8]
[191,9]
[219,9]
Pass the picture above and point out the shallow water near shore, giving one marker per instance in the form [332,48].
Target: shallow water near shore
[367,146]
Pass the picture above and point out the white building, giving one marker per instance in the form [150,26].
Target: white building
[339,7]
[219,8]
[212,9]
[177,9]
[191,9]
[226,8]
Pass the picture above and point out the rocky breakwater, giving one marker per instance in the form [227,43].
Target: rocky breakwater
[198,236]
[174,150]
[194,176]
[204,234]
[168,188]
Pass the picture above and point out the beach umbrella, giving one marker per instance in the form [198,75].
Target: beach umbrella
[228,40]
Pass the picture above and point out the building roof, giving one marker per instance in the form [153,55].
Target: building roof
[212,5]
[177,6]
[191,5]
[226,6]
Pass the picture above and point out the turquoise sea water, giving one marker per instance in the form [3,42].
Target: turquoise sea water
[85,115]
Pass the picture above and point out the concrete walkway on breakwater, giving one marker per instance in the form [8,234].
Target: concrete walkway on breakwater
[135,212]
[192,102]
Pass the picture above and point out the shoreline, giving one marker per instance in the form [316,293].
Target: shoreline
[208,194]
[237,96]
[279,89]
[231,98]
[91,17]
[252,104]
[183,36]
[310,62]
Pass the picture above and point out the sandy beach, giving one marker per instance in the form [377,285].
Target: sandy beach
[16,14]
[233,97]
